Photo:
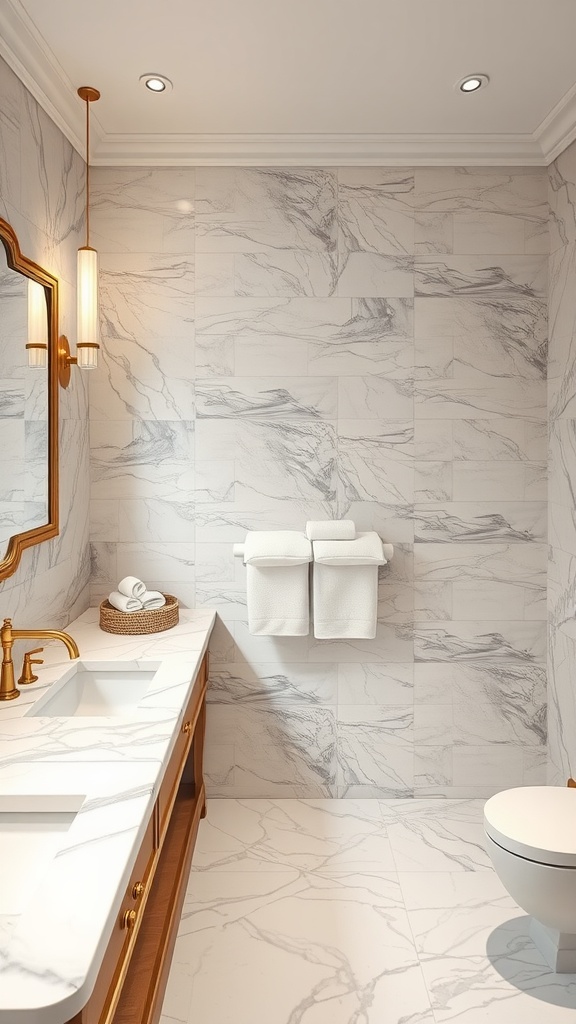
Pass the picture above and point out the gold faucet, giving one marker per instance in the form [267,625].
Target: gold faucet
[8,690]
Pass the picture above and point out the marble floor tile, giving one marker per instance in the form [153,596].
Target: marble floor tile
[310,835]
[512,989]
[457,914]
[427,837]
[300,907]
[314,949]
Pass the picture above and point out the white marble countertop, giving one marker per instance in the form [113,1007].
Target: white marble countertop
[51,952]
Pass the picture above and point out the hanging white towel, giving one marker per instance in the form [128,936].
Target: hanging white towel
[152,599]
[330,529]
[131,586]
[123,603]
[345,587]
[277,582]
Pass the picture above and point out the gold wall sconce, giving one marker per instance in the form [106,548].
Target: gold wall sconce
[87,316]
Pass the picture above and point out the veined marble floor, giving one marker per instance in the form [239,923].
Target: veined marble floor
[354,912]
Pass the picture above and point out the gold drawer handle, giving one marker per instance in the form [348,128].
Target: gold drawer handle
[138,890]
[187,728]
[129,919]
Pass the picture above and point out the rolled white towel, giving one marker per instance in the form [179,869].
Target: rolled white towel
[123,603]
[131,586]
[330,529]
[152,599]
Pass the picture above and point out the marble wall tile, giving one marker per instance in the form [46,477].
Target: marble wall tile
[433,600]
[393,643]
[12,92]
[523,642]
[287,344]
[267,398]
[376,748]
[562,391]
[134,459]
[501,440]
[476,232]
[155,520]
[433,357]
[456,399]
[359,358]
[477,481]
[375,397]
[143,209]
[372,274]
[288,273]
[561,195]
[215,357]
[432,481]
[433,233]
[433,440]
[253,210]
[42,197]
[291,746]
[375,684]
[152,561]
[266,685]
[521,564]
[488,765]
[375,210]
[374,460]
[509,191]
[315,320]
[486,521]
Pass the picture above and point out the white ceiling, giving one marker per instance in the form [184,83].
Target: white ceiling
[293,81]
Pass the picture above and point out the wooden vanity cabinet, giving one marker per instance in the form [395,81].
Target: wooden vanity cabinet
[132,979]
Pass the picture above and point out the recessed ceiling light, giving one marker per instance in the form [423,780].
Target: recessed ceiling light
[156,83]
[472,83]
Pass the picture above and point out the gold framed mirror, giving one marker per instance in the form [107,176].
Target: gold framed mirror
[28,403]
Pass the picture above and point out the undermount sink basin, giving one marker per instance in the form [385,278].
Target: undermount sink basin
[31,832]
[98,690]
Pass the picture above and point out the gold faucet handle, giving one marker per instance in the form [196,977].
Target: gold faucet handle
[27,673]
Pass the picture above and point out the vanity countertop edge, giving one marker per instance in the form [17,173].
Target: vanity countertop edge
[50,955]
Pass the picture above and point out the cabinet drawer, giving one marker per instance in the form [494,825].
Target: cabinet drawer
[181,750]
[102,1002]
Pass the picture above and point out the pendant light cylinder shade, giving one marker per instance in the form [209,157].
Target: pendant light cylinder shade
[88,325]
[37,345]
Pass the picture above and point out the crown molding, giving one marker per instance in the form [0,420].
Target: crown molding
[25,50]
[558,129]
[315,150]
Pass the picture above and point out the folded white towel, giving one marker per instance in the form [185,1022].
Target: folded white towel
[269,548]
[366,549]
[152,599]
[131,586]
[330,529]
[124,603]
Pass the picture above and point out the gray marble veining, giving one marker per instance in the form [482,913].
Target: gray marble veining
[286,344]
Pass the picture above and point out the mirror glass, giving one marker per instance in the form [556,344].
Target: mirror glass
[23,415]
[28,413]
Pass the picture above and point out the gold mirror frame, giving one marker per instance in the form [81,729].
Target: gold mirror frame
[22,265]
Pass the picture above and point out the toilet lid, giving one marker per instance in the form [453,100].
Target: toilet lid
[537,822]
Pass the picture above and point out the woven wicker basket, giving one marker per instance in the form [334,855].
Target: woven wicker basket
[153,620]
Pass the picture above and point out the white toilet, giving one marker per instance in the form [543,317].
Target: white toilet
[531,840]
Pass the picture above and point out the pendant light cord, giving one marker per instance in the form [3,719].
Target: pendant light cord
[87,174]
